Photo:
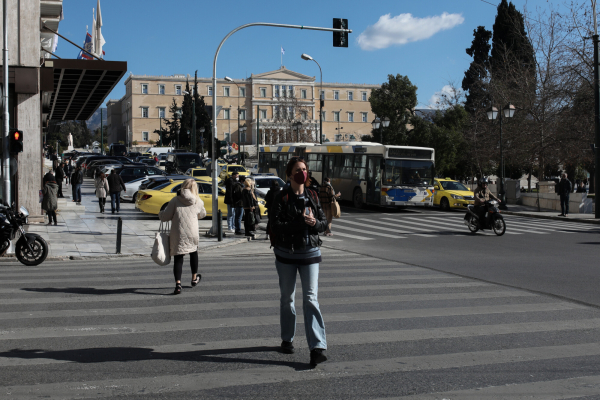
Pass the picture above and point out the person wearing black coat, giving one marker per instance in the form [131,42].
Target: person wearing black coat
[60,175]
[115,184]
[250,204]
[77,181]
[564,189]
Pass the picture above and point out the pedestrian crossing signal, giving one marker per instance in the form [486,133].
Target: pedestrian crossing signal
[16,141]
[340,39]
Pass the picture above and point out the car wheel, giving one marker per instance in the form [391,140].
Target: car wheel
[357,198]
[445,204]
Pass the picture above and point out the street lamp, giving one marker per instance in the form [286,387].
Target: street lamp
[202,129]
[321,99]
[492,114]
[242,131]
[228,79]
[297,125]
[127,124]
[384,123]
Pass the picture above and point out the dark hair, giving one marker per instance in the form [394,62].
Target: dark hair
[326,179]
[275,184]
[290,166]
[235,173]
[102,175]
[113,171]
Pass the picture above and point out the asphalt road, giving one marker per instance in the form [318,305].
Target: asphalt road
[547,256]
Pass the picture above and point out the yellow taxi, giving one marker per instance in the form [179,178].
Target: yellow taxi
[202,174]
[152,201]
[451,194]
[230,169]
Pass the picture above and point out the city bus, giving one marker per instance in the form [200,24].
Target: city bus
[364,172]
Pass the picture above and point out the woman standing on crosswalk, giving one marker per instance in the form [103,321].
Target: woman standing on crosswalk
[296,219]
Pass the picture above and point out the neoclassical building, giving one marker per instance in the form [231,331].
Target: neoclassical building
[280,105]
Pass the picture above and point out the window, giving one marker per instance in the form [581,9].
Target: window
[290,91]
[336,95]
[161,112]
[226,113]
[303,93]
[210,90]
[336,116]
[228,137]
[323,115]
[350,96]
[242,114]
[364,96]
[145,136]
[144,112]
[263,92]
[303,115]
[350,117]
[322,93]
[144,88]
[161,89]
[242,92]
[263,114]
[364,117]
[283,91]
[178,90]
[276,92]
[226,91]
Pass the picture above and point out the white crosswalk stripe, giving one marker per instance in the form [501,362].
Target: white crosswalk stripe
[374,226]
[512,229]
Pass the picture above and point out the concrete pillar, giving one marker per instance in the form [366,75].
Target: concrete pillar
[30,166]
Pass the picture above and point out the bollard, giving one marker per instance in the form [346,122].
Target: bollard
[119,231]
[220,225]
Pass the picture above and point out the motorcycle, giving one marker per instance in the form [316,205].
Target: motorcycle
[31,249]
[493,219]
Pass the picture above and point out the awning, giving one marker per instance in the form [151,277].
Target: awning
[80,87]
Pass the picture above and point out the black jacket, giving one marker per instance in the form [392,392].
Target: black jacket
[77,177]
[564,187]
[115,183]
[287,221]
[228,187]
[270,195]
[60,174]
[236,194]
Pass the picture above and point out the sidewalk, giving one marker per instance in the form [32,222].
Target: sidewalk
[527,211]
[82,231]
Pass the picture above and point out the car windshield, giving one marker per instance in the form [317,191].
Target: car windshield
[408,172]
[188,159]
[448,185]
[200,172]
[236,169]
[265,183]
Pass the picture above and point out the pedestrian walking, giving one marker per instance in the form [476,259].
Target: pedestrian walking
[54,161]
[326,195]
[271,194]
[229,201]
[250,204]
[115,184]
[50,199]
[564,189]
[60,176]
[68,168]
[237,203]
[184,211]
[296,219]
[102,189]
[77,181]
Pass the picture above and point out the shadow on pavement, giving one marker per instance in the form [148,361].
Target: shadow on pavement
[94,291]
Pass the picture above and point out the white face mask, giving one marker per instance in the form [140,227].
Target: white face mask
[237,178]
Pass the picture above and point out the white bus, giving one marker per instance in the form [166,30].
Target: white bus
[364,172]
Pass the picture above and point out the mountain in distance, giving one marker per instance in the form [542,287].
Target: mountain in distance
[94,122]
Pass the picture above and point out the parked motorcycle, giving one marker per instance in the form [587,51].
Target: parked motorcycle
[31,249]
[493,219]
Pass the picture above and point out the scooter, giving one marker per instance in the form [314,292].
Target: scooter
[31,249]
[493,219]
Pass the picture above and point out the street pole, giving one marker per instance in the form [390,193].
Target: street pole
[257,132]
[502,193]
[101,132]
[5,147]
[160,132]
[194,148]
[596,122]
[215,192]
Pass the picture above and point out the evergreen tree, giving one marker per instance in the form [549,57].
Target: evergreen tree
[186,117]
[202,121]
[476,76]
[172,126]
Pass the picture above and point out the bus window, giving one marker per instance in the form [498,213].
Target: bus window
[311,159]
[319,163]
[360,166]
[328,165]
[338,165]
[348,160]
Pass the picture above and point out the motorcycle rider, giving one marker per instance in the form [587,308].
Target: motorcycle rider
[481,195]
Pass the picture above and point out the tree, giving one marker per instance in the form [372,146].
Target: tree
[186,117]
[395,99]
[477,75]
[172,126]
[202,121]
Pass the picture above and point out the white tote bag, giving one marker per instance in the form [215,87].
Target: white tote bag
[161,253]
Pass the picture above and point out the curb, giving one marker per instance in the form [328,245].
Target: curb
[557,218]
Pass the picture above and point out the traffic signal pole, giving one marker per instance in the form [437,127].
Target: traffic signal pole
[6,195]
[215,191]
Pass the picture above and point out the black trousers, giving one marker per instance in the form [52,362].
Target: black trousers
[51,216]
[564,204]
[60,193]
[248,219]
[102,203]
[178,266]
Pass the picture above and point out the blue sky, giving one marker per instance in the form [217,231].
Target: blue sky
[424,40]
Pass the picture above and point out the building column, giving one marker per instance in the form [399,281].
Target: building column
[30,167]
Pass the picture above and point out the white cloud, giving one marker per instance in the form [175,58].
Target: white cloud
[437,102]
[405,28]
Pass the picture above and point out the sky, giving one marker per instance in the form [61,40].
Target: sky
[424,40]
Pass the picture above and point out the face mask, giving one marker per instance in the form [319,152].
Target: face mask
[300,177]
[237,179]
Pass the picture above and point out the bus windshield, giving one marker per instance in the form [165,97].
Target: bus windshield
[408,172]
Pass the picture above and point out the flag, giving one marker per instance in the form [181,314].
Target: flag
[88,46]
[282,50]
[98,38]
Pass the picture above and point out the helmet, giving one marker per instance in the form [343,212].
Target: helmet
[483,180]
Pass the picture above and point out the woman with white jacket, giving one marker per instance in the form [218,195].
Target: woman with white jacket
[184,211]
[101,185]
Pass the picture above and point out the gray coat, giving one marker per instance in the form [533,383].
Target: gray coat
[101,187]
[50,199]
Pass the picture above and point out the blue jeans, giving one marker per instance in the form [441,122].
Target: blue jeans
[77,192]
[313,320]
[230,217]
[115,197]
[238,213]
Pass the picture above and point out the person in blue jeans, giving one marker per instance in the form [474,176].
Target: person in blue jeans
[296,219]
[115,184]
[237,203]
[77,181]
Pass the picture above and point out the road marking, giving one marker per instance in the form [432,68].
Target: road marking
[351,236]
[374,226]
[442,221]
[368,232]
[418,227]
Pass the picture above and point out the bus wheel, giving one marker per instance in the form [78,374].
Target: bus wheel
[357,198]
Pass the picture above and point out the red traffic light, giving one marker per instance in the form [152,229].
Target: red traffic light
[17,135]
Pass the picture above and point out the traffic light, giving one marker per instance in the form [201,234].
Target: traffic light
[340,39]
[16,141]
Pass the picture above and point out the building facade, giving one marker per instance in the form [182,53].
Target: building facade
[277,106]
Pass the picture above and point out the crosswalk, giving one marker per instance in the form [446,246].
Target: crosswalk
[112,329]
[431,226]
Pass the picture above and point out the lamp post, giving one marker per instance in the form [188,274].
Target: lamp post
[202,129]
[242,131]
[127,141]
[492,114]
[377,123]
[297,125]
[228,79]
[321,99]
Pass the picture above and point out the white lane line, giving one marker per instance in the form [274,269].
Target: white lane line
[373,226]
[336,233]
[536,227]
[401,222]
[561,224]
[367,232]
[442,221]
[329,239]
[518,228]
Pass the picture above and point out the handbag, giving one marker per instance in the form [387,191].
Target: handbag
[335,208]
[161,253]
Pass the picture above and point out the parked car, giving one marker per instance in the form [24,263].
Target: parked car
[90,169]
[133,154]
[178,163]
[264,183]
[130,172]
[202,174]
[117,149]
[162,159]
[148,161]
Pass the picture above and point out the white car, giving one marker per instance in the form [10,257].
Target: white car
[264,183]
[106,169]
[132,188]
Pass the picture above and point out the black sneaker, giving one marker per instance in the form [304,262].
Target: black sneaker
[287,347]
[317,356]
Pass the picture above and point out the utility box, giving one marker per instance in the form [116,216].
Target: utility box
[513,190]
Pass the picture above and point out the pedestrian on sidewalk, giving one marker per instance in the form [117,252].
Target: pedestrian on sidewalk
[326,195]
[296,219]
[184,211]
[102,189]
[60,175]
[77,181]
[115,184]
[237,203]
[48,177]
[564,190]
[229,202]
[50,199]
[271,194]
[581,187]
[250,204]
[68,171]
